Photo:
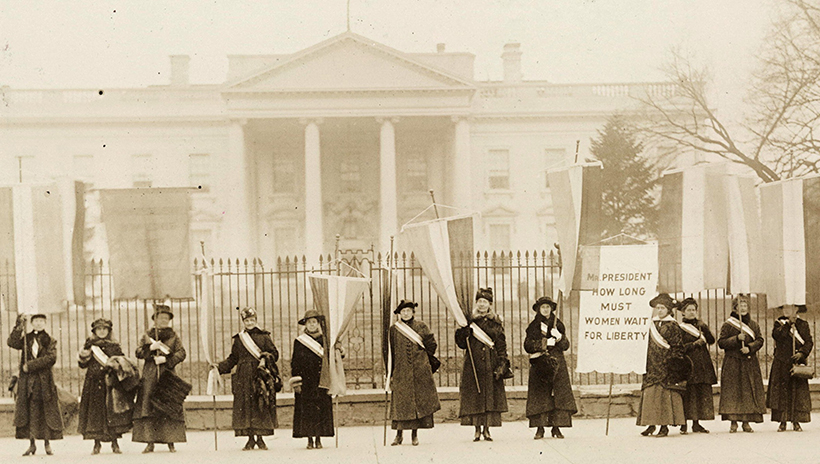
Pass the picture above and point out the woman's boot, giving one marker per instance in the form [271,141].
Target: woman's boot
[399,438]
[32,448]
[97,447]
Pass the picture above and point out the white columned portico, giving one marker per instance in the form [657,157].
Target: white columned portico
[237,229]
[388,211]
[314,217]
[461,168]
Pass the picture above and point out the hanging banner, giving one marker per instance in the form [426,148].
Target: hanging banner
[614,317]
[745,243]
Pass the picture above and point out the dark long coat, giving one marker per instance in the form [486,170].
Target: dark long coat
[250,416]
[781,383]
[741,383]
[703,371]
[312,407]
[488,360]
[546,392]
[97,418]
[414,391]
[38,382]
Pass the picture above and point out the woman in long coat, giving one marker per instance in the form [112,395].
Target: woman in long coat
[415,397]
[550,402]
[488,346]
[98,421]
[162,350]
[37,413]
[661,399]
[741,384]
[254,412]
[788,396]
[313,406]
[698,404]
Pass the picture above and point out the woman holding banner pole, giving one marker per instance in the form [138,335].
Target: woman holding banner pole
[698,404]
[550,402]
[483,402]
[313,405]
[666,371]
[415,398]
[788,396]
[741,383]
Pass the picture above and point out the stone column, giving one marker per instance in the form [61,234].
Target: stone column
[314,217]
[388,211]
[462,165]
[237,228]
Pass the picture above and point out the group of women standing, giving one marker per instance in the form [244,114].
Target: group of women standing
[677,386]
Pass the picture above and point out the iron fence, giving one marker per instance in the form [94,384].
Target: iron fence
[281,294]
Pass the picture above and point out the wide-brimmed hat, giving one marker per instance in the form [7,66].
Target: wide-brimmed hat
[686,302]
[310,314]
[663,299]
[102,322]
[486,293]
[245,313]
[800,308]
[162,309]
[405,304]
[542,301]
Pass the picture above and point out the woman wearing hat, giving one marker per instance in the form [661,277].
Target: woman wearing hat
[698,404]
[550,402]
[98,421]
[788,396]
[415,397]
[161,349]
[36,410]
[661,401]
[252,353]
[483,403]
[313,406]
[741,384]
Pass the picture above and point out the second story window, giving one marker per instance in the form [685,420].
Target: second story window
[142,171]
[199,171]
[415,177]
[498,164]
[350,177]
[284,175]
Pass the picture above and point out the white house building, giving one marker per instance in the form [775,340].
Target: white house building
[345,137]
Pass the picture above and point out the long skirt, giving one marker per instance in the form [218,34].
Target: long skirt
[554,418]
[660,406]
[486,419]
[252,432]
[158,430]
[425,422]
[698,403]
[37,427]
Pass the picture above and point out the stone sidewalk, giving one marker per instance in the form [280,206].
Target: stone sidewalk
[450,443]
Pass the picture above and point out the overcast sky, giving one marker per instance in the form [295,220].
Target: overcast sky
[99,43]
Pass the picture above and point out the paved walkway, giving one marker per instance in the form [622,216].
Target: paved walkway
[451,443]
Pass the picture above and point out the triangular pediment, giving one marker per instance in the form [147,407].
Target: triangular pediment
[349,62]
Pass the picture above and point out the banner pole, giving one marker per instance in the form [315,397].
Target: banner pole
[336,418]
[216,445]
[609,403]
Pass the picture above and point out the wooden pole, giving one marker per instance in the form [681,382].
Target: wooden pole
[216,445]
[609,403]
[336,418]
[386,367]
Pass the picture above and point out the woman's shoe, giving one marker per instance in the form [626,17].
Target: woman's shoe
[115,447]
[747,428]
[397,441]
[477,435]
[697,428]
[310,443]
[97,447]
[796,427]
[171,448]
[31,450]
[664,431]
[733,427]
[318,443]
[414,440]
[781,427]
[556,433]
[47,447]
[260,443]
[149,448]
[684,430]
[539,433]
[487,436]
[649,431]
[249,445]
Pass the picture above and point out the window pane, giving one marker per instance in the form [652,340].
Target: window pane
[284,175]
[416,174]
[350,177]
[199,172]
[499,169]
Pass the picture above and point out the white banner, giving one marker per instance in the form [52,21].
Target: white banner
[615,316]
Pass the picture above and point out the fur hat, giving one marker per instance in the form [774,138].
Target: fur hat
[542,301]
[245,313]
[486,293]
[102,322]
[664,299]
[686,302]
[310,314]
[162,309]
[405,304]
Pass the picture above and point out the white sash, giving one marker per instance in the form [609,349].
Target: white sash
[250,345]
[481,335]
[656,336]
[408,332]
[741,326]
[162,347]
[99,355]
[311,344]
[692,330]
[545,329]
[794,332]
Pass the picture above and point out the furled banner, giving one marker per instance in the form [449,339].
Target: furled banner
[335,297]
[745,243]
[791,223]
[148,242]
[693,241]
[443,248]
[614,316]
[42,243]
[576,202]
[207,334]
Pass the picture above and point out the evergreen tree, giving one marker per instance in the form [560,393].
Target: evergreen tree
[628,205]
